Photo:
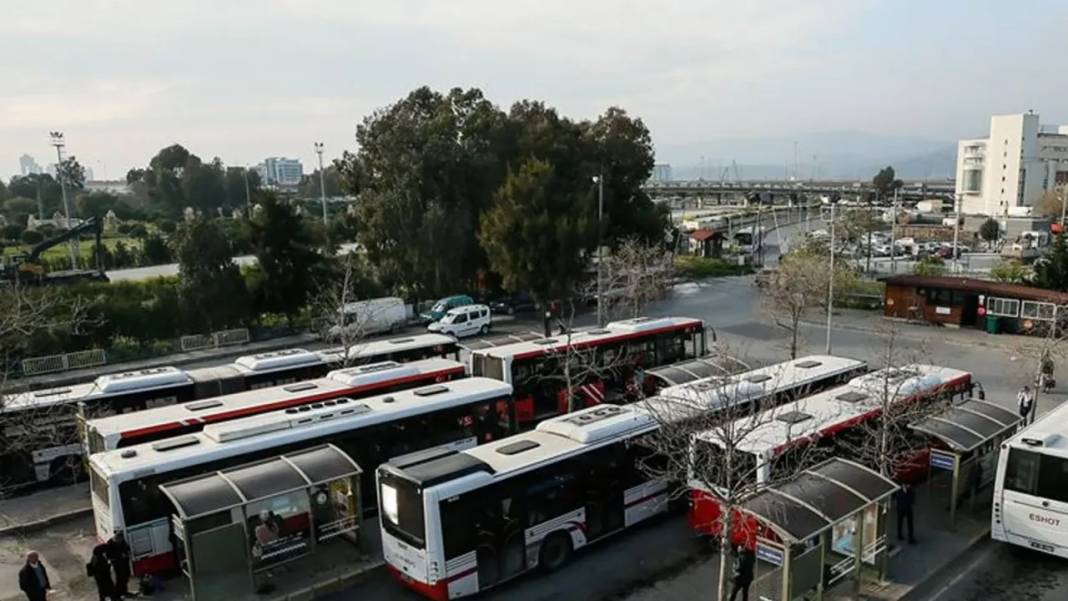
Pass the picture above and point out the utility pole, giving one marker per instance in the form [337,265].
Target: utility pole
[599,180]
[830,286]
[248,196]
[867,267]
[59,143]
[893,235]
[322,180]
[956,233]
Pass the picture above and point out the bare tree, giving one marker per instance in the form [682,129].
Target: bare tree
[708,435]
[45,423]
[634,275]
[339,316]
[797,286]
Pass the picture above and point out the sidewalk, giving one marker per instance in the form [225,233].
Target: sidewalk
[20,515]
[859,320]
[76,376]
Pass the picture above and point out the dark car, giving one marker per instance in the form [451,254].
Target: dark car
[510,305]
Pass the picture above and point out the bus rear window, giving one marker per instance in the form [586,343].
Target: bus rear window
[1037,474]
[402,509]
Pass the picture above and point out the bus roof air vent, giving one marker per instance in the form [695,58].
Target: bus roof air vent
[793,417]
[430,390]
[518,447]
[757,378]
[851,396]
[294,357]
[371,373]
[280,420]
[808,364]
[157,377]
[596,423]
[202,405]
[401,340]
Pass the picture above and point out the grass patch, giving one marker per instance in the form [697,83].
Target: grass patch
[706,267]
[86,246]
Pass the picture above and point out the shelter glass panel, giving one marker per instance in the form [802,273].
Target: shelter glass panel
[279,528]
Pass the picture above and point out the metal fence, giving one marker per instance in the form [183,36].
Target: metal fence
[196,342]
[52,363]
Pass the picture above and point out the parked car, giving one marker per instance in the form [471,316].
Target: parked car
[520,302]
[443,306]
[464,321]
[372,316]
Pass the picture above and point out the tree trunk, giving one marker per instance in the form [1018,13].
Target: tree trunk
[725,553]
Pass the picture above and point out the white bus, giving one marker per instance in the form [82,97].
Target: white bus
[588,438]
[460,522]
[46,419]
[112,432]
[1031,486]
[775,436]
[125,482]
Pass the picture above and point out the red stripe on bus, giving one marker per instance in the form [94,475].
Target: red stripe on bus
[617,338]
[255,410]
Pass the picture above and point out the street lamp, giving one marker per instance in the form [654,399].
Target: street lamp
[59,143]
[830,284]
[599,180]
[322,180]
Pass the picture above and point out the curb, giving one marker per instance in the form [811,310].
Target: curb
[332,585]
[41,524]
[909,335]
[928,582]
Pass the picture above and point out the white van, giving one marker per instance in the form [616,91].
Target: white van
[464,321]
[373,316]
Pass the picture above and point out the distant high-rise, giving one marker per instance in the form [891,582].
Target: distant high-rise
[280,171]
[661,173]
[28,166]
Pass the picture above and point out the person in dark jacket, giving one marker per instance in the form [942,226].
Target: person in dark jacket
[119,555]
[33,578]
[99,568]
[744,563]
[906,498]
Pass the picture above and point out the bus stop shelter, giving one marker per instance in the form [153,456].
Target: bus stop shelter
[233,527]
[965,441]
[820,526]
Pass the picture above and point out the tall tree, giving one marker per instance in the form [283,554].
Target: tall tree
[536,233]
[72,173]
[288,262]
[990,230]
[309,186]
[1052,272]
[885,182]
[211,290]
[40,187]
[3,190]
[236,187]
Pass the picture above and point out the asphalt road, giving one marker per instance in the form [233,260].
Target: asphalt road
[994,571]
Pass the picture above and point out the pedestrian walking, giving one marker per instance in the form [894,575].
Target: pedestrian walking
[906,498]
[33,578]
[744,563]
[119,555]
[99,569]
[1025,403]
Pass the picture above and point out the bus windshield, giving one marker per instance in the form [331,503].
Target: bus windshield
[402,509]
[1037,474]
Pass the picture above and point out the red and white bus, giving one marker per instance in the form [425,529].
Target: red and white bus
[112,432]
[618,351]
[535,497]
[460,522]
[778,437]
[48,417]
[125,482]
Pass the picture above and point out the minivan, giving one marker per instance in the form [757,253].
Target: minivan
[443,306]
[386,314]
[464,321]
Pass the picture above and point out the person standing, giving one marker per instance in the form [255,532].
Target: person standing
[119,554]
[1025,403]
[744,563]
[33,578]
[99,569]
[906,498]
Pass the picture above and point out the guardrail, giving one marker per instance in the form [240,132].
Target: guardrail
[196,342]
[54,363]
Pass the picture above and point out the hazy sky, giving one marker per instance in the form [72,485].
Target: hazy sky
[245,80]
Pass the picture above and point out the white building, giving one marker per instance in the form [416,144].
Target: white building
[280,171]
[661,173]
[28,165]
[1013,167]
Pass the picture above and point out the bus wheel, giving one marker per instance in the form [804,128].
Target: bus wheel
[555,551]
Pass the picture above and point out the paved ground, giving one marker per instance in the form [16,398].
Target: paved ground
[997,572]
[155,271]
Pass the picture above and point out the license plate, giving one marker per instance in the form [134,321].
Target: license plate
[1042,547]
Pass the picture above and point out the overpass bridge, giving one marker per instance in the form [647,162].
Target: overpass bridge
[783,192]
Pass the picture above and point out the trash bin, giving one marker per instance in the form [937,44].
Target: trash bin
[991,324]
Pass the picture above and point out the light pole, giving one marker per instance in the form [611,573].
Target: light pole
[956,232]
[830,285]
[59,143]
[893,235]
[248,196]
[322,180]
[599,180]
